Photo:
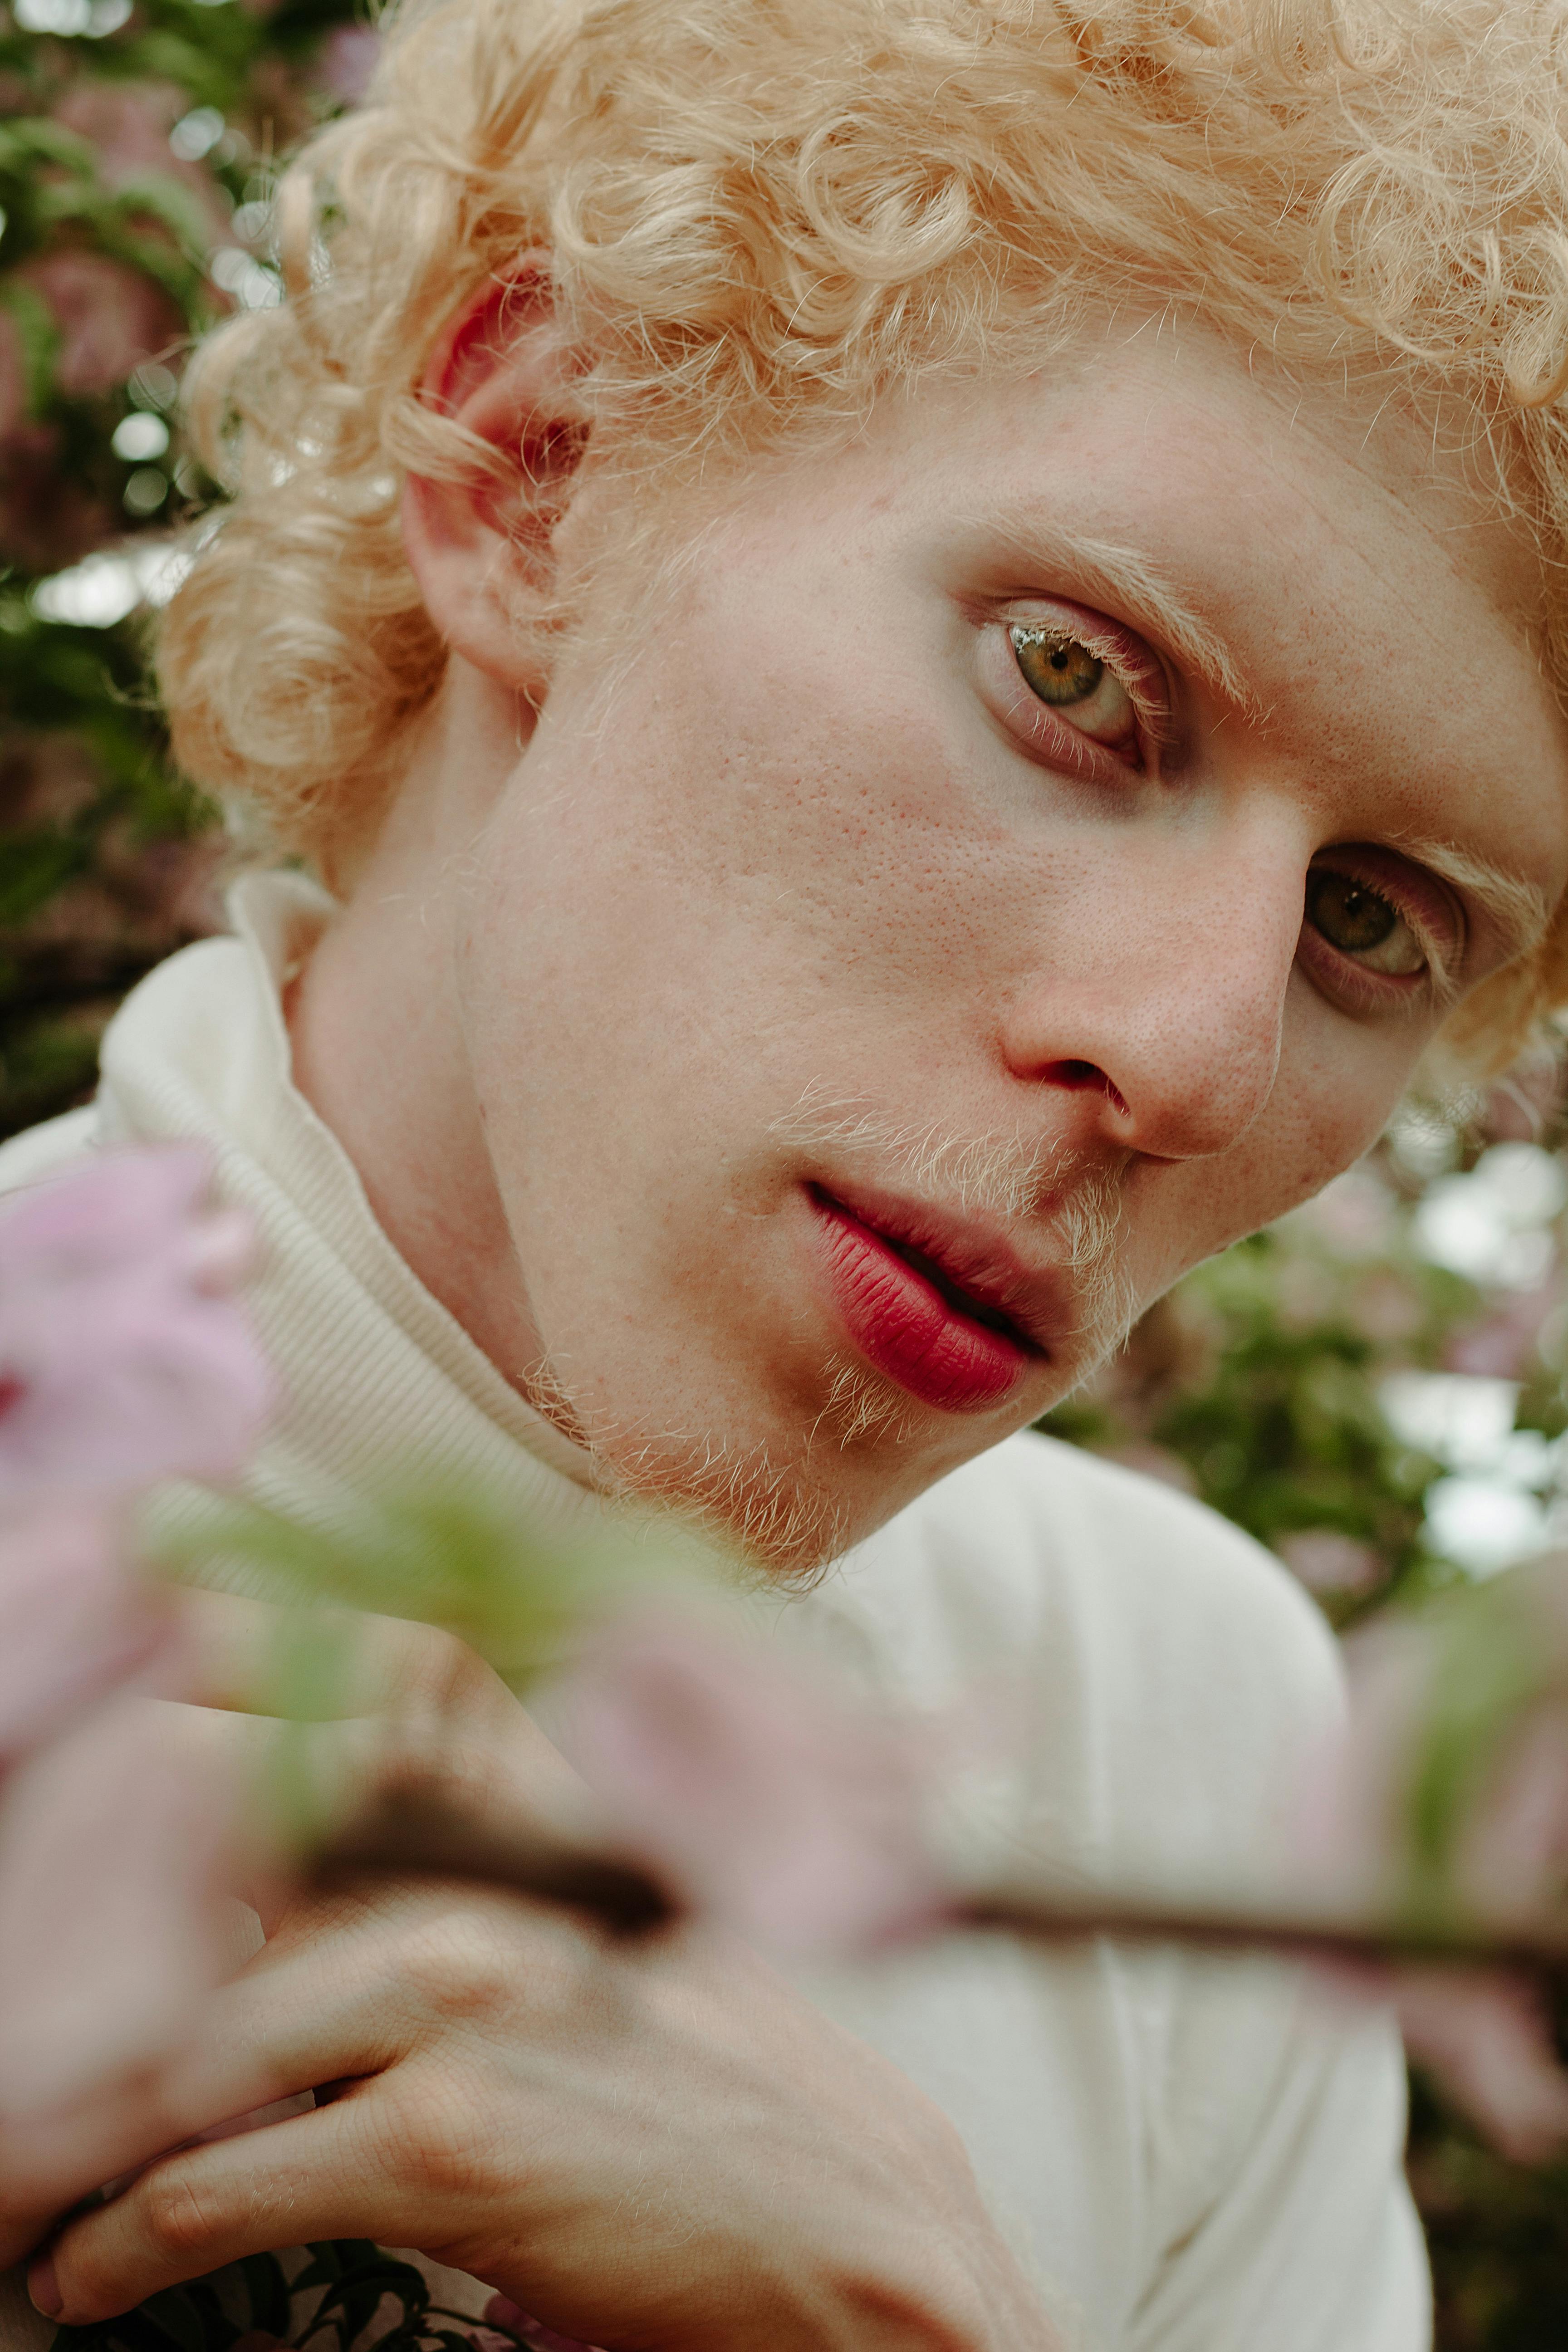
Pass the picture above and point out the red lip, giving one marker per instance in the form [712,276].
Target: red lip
[919,1310]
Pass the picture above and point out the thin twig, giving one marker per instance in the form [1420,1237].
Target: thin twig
[423,1834]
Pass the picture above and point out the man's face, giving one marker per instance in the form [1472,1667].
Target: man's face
[885,970]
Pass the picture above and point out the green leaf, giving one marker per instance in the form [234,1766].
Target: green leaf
[39,338]
[29,140]
[33,866]
[461,1560]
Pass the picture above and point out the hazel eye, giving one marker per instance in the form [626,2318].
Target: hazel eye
[1073,680]
[1360,923]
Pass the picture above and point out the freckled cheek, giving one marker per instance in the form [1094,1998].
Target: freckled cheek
[1321,1117]
[834,796]
[1316,1126]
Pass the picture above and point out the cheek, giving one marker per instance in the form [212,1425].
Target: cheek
[778,824]
[1337,1089]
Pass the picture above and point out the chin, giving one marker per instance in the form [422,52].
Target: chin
[788,1482]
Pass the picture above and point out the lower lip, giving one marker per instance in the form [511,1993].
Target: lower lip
[902,1324]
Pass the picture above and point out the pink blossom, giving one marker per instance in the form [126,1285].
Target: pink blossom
[795,1820]
[1502,1343]
[73,1622]
[127,125]
[111,318]
[1482,2033]
[1326,1562]
[122,1362]
[1489,2041]
[48,517]
[1152,1461]
[110,1842]
[1353,1214]
[348,59]
[13,376]
[502,2312]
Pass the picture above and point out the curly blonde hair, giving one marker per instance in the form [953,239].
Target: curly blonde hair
[761,213]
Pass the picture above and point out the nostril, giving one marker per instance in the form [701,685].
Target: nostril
[1078,1076]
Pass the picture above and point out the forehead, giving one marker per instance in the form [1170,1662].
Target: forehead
[1380,620]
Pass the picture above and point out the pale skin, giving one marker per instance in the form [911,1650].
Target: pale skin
[807,876]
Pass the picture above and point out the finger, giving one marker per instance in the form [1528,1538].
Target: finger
[322,2002]
[311,2178]
[342,1993]
[61,2157]
[323,2008]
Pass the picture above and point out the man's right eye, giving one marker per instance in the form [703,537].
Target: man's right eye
[1074,681]
[1081,694]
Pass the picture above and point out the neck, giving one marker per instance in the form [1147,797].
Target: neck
[378,1043]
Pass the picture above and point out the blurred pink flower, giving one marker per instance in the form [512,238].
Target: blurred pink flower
[1489,2041]
[13,376]
[110,1842]
[1384,1306]
[1482,2033]
[347,61]
[1326,1562]
[127,126]
[502,2312]
[793,1820]
[48,517]
[111,318]
[126,123]
[122,1360]
[74,1622]
[1354,1213]
[1152,1461]
[1500,1345]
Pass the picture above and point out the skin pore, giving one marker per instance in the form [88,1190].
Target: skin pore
[927,855]
[904,906]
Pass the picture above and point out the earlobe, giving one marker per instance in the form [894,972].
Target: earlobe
[481,535]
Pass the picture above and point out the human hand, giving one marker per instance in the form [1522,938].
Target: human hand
[656,2143]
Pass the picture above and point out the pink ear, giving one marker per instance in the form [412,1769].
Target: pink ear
[481,337]
[481,538]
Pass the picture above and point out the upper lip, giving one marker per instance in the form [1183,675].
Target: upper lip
[978,1262]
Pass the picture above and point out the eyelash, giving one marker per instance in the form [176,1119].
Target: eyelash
[1143,680]
[1134,666]
[1380,992]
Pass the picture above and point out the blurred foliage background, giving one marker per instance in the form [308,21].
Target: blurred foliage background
[1374,1387]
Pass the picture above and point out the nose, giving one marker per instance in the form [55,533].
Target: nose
[1156,1001]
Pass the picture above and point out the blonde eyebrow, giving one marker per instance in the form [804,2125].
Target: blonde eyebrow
[1123,577]
[1520,911]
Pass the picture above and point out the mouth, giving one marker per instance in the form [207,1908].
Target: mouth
[927,1306]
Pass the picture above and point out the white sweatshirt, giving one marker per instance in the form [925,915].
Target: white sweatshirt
[1187,2155]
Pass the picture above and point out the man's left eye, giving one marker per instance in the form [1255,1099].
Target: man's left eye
[1073,680]
[1362,923]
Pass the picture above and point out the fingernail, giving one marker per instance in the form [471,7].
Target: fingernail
[45,2288]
